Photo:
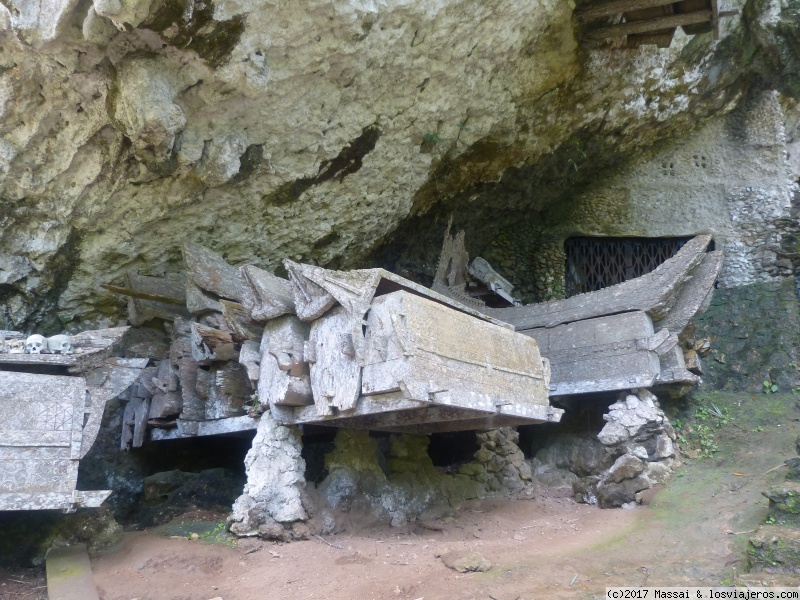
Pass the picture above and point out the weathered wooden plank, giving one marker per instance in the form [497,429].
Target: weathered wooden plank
[451,270]
[283,376]
[156,289]
[64,501]
[151,297]
[209,271]
[186,429]
[209,343]
[600,354]
[614,7]
[193,406]
[466,424]
[335,370]
[369,405]
[647,25]
[394,412]
[654,293]
[141,409]
[268,295]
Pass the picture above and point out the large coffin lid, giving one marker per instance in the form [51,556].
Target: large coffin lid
[355,290]
[654,293]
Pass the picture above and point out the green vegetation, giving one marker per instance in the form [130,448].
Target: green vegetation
[699,433]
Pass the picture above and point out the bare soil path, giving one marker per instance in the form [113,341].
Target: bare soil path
[694,532]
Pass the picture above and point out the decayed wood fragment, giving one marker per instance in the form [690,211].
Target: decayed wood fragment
[451,269]
[483,272]
[209,271]
[673,370]
[267,296]
[209,343]
[140,408]
[239,321]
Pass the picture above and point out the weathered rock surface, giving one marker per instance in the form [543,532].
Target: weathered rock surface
[775,550]
[784,503]
[466,562]
[309,131]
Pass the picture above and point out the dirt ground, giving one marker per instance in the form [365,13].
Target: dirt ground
[694,532]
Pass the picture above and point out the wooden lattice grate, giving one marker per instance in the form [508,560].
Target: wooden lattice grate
[594,263]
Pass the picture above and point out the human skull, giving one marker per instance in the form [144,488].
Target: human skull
[59,344]
[15,346]
[35,344]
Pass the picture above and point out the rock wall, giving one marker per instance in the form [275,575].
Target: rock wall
[309,130]
[754,335]
[733,176]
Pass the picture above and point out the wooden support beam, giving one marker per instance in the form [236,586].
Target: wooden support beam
[613,7]
[623,29]
[123,291]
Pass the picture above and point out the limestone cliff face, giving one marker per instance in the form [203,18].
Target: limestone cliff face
[306,129]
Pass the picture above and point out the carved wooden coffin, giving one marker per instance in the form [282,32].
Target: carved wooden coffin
[426,368]
[41,433]
[429,351]
[616,352]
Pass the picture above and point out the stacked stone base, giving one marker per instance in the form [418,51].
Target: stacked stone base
[633,453]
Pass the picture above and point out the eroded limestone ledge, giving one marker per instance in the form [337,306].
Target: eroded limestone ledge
[308,130]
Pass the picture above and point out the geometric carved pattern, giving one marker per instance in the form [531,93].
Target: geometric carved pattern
[594,263]
[35,415]
[41,419]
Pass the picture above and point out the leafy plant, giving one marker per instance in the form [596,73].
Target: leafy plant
[700,435]
[769,387]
